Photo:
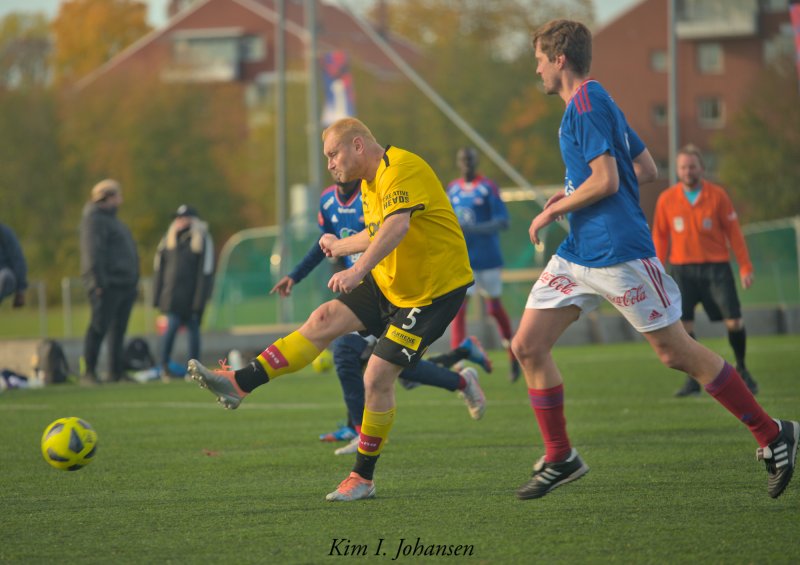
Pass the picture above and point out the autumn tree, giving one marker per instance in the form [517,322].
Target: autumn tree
[502,27]
[166,143]
[90,32]
[24,49]
[30,179]
[477,56]
[759,153]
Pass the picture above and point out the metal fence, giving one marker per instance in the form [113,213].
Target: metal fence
[248,268]
[69,317]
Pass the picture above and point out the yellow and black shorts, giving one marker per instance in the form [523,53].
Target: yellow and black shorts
[403,333]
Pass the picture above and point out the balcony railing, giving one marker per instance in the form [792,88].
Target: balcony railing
[709,19]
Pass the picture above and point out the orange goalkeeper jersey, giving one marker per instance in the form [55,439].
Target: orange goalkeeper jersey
[701,233]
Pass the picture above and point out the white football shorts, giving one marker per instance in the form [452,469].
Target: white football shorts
[640,289]
[488,282]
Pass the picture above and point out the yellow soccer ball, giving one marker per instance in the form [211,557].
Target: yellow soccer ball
[323,363]
[69,444]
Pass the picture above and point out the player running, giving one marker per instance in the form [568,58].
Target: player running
[482,215]
[609,254]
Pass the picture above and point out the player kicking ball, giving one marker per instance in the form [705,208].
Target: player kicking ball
[404,289]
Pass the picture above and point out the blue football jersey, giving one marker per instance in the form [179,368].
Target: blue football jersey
[614,229]
[476,203]
[341,218]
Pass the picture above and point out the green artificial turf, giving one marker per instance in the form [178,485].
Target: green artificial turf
[177,479]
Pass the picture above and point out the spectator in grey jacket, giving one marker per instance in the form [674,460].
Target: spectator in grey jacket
[13,268]
[110,272]
[183,278]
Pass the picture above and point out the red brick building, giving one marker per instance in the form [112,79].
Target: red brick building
[721,49]
[232,41]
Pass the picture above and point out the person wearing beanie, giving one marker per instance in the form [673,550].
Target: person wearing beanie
[110,274]
[183,277]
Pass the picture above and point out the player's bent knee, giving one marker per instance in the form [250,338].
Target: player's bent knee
[670,358]
[527,350]
[329,321]
[734,325]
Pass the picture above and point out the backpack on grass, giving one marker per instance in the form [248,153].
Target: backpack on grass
[137,355]
[51,365]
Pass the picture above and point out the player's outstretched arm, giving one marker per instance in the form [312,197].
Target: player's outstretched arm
[284,286]
[313,257]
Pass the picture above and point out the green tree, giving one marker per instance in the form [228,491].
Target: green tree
[759,153]
[477,56]
[167,144]
[24,49]
[90,32]
[501,26]
[30,155]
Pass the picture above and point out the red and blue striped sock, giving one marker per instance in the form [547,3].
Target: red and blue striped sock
[729,389]
[548,405]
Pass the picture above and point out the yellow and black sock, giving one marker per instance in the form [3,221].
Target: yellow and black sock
[286,355]
[375,428]
[251,376]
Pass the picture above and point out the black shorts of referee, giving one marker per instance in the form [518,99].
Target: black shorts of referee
[709,284]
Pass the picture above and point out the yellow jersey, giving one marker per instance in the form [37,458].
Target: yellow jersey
[432,259]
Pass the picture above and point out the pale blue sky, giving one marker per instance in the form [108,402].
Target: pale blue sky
[157,11]
[606,9]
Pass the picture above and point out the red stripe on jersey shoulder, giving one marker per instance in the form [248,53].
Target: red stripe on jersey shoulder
[581,96]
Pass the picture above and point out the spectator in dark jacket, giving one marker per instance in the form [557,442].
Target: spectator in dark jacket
[13,268]
[110,272]
[183,278]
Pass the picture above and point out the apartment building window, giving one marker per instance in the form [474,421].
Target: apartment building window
[658,113]
[219,50]
[711,112]
[658,61]
[710,60]
[253,48]
[773,6]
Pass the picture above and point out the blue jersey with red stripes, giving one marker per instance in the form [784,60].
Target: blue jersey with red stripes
[336,216]
[614,229]
[477,204]
[340,217]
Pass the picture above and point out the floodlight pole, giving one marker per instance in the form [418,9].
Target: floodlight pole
[314,149]
[673,92]
[280,256]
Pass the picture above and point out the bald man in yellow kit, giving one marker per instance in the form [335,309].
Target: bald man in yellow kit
[405,288]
